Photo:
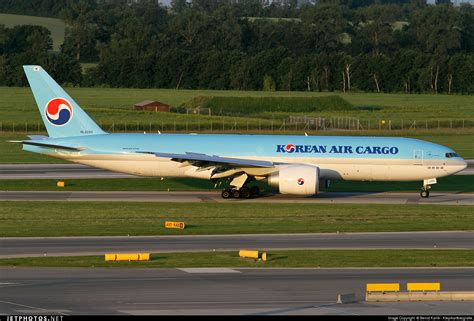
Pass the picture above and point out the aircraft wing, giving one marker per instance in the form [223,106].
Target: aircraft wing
[203,160]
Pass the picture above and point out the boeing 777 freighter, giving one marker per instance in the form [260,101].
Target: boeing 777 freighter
[294,164]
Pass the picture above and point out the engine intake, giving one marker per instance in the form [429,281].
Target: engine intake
[296,180]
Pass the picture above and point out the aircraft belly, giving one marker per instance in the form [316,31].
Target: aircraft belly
[378,172]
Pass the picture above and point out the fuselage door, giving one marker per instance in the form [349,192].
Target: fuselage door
[418,157]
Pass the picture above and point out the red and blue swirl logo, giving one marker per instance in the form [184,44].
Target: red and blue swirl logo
[58,111]
[301,181]
[290,148]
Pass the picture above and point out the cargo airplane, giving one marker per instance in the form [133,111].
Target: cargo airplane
[296,165]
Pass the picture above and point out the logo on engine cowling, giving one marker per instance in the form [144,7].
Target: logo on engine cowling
[301,181]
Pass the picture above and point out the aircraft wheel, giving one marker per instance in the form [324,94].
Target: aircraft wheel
[245,192]
[226,194]
[254,190]
[236,193]
[424,193]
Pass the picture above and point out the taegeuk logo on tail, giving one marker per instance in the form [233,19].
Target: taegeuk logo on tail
[58,111]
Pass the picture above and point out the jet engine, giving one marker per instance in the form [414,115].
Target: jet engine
[296,180]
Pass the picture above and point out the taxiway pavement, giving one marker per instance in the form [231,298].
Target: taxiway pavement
[214,196]
[73,246]
[221,291]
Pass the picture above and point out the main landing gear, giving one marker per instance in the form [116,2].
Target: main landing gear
[243,192]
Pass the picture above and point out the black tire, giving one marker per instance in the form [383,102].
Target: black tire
[236,193]
[254,190]
[245,192]
[425,193]
[226,194]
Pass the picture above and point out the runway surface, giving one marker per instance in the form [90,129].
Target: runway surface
[214,196]
[70,246]
[218,291]
[55,171]
[65,171]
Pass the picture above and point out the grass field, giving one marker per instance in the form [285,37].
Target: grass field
[462,183]
[141,218]
[279,259]
[114,105]
[115,184]
[56,26]
[460,140]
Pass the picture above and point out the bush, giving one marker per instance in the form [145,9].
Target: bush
[252,105]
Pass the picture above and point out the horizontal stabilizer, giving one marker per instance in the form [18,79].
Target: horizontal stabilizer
[46,145]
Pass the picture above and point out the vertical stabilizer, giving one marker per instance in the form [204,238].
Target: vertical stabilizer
[61,115]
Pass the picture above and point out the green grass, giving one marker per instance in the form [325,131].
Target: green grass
[141,218]
[87,65]
[56,26]
[279,259]
[461,183]
[460,140]
[114,184]
[113,105]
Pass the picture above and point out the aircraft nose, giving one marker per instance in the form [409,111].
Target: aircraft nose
[459,166]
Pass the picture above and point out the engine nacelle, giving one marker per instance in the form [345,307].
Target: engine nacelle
[296,180]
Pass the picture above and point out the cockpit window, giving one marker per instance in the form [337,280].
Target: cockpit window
[451,155]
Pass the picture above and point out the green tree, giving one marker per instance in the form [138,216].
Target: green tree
[179,5]
[437,29]
[269,84]
[374,28]
[323,26]
[81,32]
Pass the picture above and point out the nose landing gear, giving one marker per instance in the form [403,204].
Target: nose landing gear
[425,192]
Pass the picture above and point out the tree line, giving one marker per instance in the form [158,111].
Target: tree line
[347,45]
